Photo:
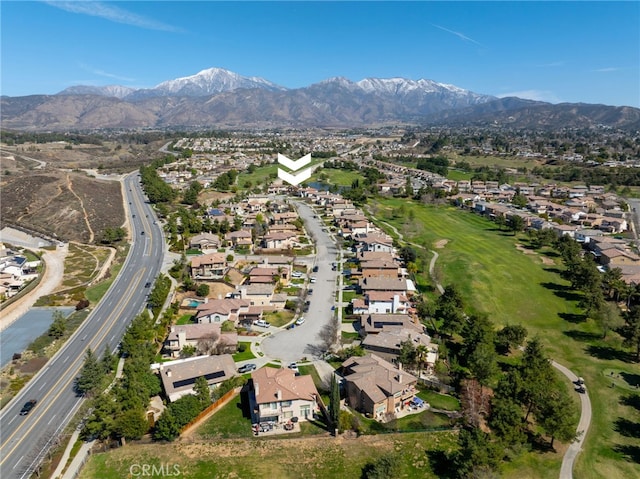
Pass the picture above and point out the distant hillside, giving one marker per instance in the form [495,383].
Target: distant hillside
[219,98]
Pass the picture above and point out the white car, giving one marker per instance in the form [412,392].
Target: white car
[262,323]
[300,321]
[294,367]
[296,274]
[313,279]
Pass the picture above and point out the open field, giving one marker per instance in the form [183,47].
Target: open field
[309,457]
[517,288]
[336,177]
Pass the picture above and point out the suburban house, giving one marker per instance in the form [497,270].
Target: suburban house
[257,294]
[179,377]
[205,241]
[240,239]
[376,242]
[380,268]
[284,240]
[208,266]
[221,310]
[396,285]
[376,387]
[206,336]
[278,395]
[261,274]
[381,302]
[388,343]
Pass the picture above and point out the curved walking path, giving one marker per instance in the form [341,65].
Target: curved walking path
[566,471]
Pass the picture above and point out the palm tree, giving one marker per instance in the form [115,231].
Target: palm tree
[421,357]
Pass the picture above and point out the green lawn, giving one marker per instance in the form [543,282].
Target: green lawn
[337,177]
[246,354]
[228,422]
[440,401]
[278,318]
[185,319]
[259,176]
[517,288]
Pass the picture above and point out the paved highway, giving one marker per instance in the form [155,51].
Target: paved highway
[26,439]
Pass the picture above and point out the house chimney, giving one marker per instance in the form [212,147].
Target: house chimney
[400,366]
[206,300]
[279,395]
[256,388]
[399,378]
[173,329]
[168,373]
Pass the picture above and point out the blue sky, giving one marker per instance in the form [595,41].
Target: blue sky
[551,51]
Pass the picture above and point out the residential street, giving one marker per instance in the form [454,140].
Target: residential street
[303,341]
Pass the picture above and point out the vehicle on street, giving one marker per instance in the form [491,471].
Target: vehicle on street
[28,406]
[310,292]
[315,269]
[294,368]
[246,368]
[147,284]
[142,233]
[300,321]
[262,323]
[313,279]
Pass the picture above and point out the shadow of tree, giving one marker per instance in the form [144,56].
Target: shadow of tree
[627,428]
[573,317]
[609,353]
[632,380]
[440,463]
[553,269]
[630,453]
[562,291]
[632,400]
[580,335]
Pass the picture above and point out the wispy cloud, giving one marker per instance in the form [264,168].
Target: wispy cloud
[102,73]
[113,13]
[606,70]
[552,64]
[537,95]
[460,35]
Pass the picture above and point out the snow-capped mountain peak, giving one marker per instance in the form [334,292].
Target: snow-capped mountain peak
[211,81]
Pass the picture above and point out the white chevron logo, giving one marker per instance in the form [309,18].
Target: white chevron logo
[294,165]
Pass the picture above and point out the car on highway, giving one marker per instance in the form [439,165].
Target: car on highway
[147,284]
[142,233]
[28,406]
[246,368]
[262,323]
[300,321]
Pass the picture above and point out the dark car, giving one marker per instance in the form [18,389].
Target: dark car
[142,233]
[147,284]
[28,406]
[246,368]
[315,269]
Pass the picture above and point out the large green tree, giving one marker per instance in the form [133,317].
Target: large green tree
[91,374]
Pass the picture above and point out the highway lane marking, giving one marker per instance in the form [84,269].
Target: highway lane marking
[52,418]
[65,359]
[98,338]
[13,419]
[43,385]
[21,458]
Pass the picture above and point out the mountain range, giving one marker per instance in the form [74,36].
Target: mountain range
[218,98]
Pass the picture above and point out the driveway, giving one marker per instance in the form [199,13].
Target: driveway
[302,341]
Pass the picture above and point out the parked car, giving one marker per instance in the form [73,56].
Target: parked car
[294,367]
[246,368]
[310,292]
[300,321]
[28,406]
[313,279]
[315,269]
[296,274]
[262,323]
